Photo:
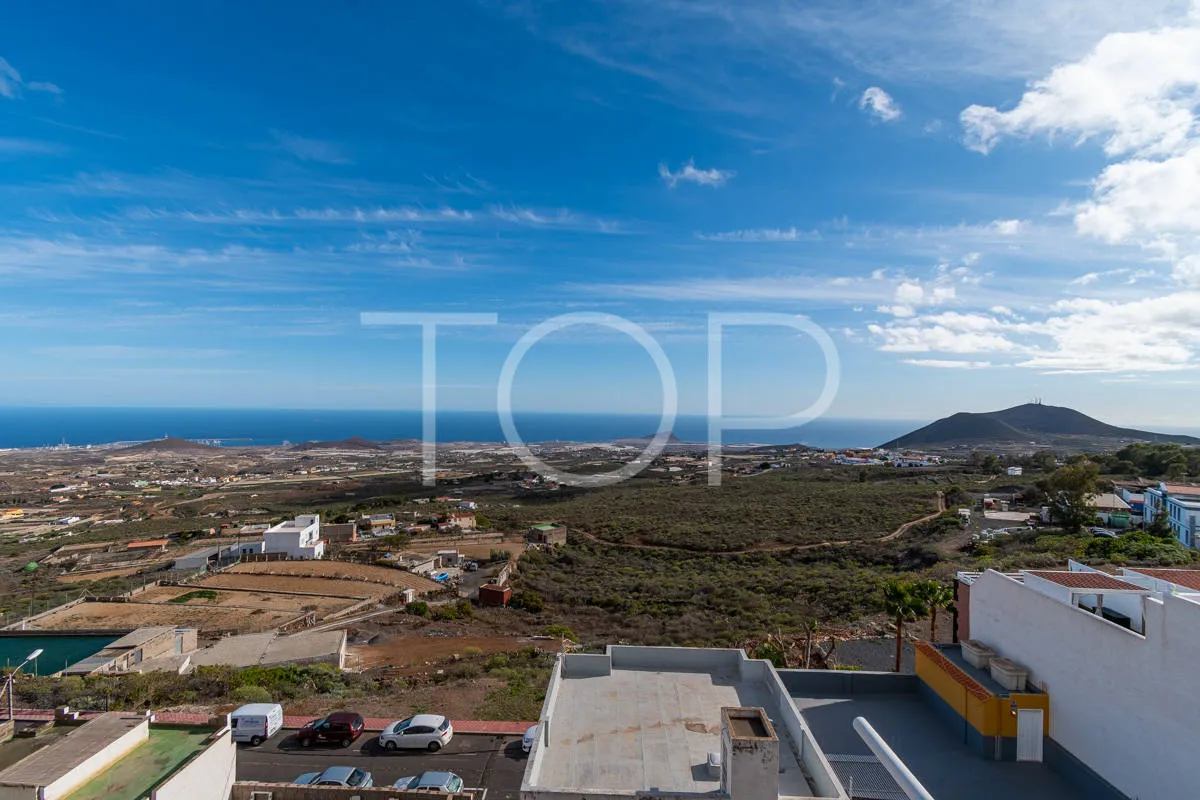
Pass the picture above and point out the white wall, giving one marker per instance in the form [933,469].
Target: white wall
[208,776]
[295,541]
[1117,700]
[101,761]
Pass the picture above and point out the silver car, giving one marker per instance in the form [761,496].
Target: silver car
[337,776]
[431,781]
[429,732]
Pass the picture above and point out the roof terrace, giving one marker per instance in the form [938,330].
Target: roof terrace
[648,718]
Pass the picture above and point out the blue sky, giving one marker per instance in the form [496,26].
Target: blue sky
[981,203]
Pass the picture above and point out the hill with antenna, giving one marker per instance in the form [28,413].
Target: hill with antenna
[1028,425]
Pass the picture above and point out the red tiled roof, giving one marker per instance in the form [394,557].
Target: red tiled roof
[956,673]
[1188,578]
[1182,488]
[1084,580]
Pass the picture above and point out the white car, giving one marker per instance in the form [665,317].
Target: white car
[429,732]
[528,738]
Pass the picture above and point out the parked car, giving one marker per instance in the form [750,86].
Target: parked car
[472,566]
[337,776]
[256,722]
[529,737]
[431,782]
[340,727]
[431,732]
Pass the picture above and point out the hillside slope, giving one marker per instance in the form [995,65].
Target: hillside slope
[1031,424]
[168,445]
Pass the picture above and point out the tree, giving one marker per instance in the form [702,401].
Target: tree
[934,596]
[1159,527]
[1069,490]
[902,604]
[395,541]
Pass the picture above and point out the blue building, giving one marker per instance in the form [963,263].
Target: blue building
[1181,505]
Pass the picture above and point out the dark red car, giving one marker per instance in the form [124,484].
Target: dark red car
[340,728]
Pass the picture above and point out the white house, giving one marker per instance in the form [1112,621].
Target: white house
[299,538]
[1113,654]
[1014,472]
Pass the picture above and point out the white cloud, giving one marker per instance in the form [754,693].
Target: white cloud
[760,235]
[1083,335]
[939,363]
[1008,227]
[689,174]
[1138,93]
[307,149]
[1137,90]
[11,83]
[1144,196]
[880,105]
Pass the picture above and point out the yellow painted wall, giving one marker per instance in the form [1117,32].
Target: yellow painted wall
[991,717]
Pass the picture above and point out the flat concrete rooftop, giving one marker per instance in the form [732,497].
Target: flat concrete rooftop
[51,763]
[924,742]
[644,729]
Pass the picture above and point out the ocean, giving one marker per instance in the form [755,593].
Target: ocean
[48,426]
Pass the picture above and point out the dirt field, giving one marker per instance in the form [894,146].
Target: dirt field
[340,570]
[269,601]
[118,616]
[77,577]
[283,583]
[415,651]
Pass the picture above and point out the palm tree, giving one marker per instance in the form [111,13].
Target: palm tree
[902,603]
[934,596]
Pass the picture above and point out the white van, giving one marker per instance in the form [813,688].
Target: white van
[256,722]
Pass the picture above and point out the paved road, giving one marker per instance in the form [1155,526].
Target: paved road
[495,762]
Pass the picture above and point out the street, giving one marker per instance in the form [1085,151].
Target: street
[494,762]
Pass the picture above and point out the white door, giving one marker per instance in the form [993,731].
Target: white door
[1029,734]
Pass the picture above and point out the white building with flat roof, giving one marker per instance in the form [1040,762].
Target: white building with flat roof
[672,722]
[1114,653]
[298,538]
[119,755]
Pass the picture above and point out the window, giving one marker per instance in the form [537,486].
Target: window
[356,778]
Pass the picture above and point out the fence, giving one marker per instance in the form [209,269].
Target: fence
[251,558]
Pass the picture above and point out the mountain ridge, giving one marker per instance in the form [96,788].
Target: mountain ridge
[1028,424]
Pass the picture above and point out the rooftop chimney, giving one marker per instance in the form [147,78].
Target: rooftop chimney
[749,755]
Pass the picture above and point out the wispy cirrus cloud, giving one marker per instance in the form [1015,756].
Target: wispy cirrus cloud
[12,84]
[791,234]
[10,146]
[122,352]
[938,363]
[688,173]
[307,149]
